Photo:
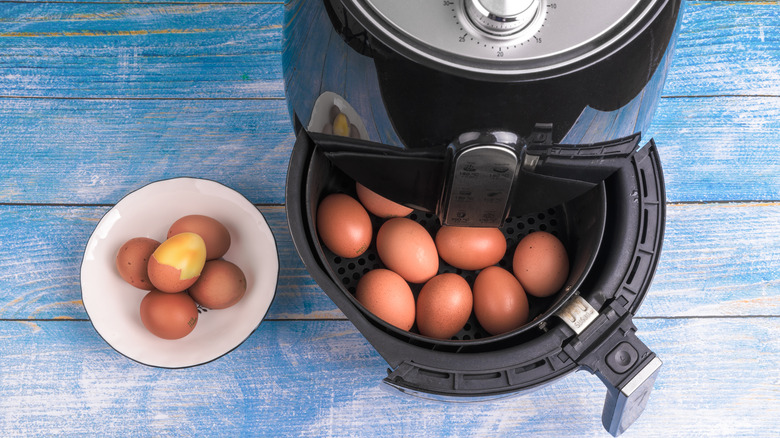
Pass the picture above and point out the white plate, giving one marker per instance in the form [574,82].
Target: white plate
[113,305]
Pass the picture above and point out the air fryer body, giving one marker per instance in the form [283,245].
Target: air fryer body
[414,102]
[414,97]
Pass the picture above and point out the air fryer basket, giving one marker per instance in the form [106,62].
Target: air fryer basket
[620,223]
[579,224]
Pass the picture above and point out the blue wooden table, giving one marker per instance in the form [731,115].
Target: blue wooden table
[98,98]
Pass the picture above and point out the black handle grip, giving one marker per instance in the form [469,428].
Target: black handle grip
[610,349]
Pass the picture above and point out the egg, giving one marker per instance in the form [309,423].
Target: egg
[470,248]
[176,264]
[344,225]
[378,205]
[341,125]
[214,234]
[541,264]
[500,303]
[406,248]
[221,284]
[132,260]
[443,306]
[388,296]
[169,316]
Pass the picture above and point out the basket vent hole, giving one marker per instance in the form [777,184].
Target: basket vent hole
[633,270]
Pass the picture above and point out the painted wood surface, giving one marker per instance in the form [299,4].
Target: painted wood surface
[322,378]
[98,98]
[718,260]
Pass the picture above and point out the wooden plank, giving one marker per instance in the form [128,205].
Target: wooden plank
[141,50]
[302,378]
[718,260]
[225,49]
[41,249]
[727,48]
[96,151]
[719,148]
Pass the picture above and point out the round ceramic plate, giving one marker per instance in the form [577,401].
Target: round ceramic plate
[113,305]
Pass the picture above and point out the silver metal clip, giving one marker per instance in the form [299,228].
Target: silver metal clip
[578,314]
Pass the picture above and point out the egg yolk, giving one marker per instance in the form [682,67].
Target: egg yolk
[185,252]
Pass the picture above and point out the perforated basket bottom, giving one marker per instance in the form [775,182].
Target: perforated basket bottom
[349,271]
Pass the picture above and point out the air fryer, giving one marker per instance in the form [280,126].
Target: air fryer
[544,103]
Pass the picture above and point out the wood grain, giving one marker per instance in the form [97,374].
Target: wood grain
[100,97]
[137,50]
[231,49]
[42,249]
[730,268]
[727,48]
[96,151]
[321,378]
[713,149]
[86,151]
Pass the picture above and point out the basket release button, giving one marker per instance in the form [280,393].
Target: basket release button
[622,357]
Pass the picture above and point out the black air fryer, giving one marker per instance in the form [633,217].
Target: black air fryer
[519,114]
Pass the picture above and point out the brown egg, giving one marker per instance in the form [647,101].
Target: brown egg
[406,248]
[221,284]
[344,225]
[470,248]
[541,264]
[500,303]
[443,306]
[169,316]
[379,205]
[212,231]
[385,294]
[132,260]
[176,264]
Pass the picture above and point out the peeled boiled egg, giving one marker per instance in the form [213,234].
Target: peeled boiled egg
[176,264]
[132,260]
[388,296]
[443,306]
[169,316]
[470,248]
[500,303]
[214,234]
[541,264]
[341,125]
[344,225]
[379,205]
[221,285]
[406,248]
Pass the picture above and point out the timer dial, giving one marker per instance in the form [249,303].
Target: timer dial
[502,18]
